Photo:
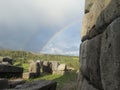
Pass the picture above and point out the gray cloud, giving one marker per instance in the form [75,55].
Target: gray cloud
[28,24]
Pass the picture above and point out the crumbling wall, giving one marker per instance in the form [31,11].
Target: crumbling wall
[100,48]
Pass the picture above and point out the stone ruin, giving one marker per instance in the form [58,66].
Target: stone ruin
[34,71]
[40,67]
[7,70]
[52,67]
[61,69]
[100,48]
[46,67]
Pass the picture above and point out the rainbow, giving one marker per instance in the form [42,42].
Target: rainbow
[57,33]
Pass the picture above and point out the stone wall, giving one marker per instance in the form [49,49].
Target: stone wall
[100,48]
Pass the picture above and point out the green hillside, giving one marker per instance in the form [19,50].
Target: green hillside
[22,58]
[68,81]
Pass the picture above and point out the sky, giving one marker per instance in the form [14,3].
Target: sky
[41,26]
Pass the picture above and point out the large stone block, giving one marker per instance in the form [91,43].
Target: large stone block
[90,61]
[13,83]
[55,65]
[5,68]
[35,68]
[46,63]
[40,62]
[3,84]
[41,65]
[87,86]
[5,63]
[7,59]
[101,14]
[88,5]
[93,61]
[47,67]
[62,67]
[10,71]
[60,72]
[110,56]
[86,26]
[89,20]
[29,75]
[83,59]
[100,66]
[38,85]
[111,11]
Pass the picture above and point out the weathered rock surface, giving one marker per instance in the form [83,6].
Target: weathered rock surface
[3,84]
[37,85]
[110,13]
[110,57]
[89,21]
[88,5]
[14,83]
[43,67]
[29,75]
[47,67]
[79,80]
[62,67]
[87,86]
[55,65]
[93,61]
[10,71]
[90,61]
[5,68]
[9,60]
[100,48]
[59,72]
[35,68]
[45,63]
[83,60]
[6,61]
[100,15]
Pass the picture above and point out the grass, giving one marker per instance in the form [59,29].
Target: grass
[67,79]
[64,82]
[24,61]
[22,58]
